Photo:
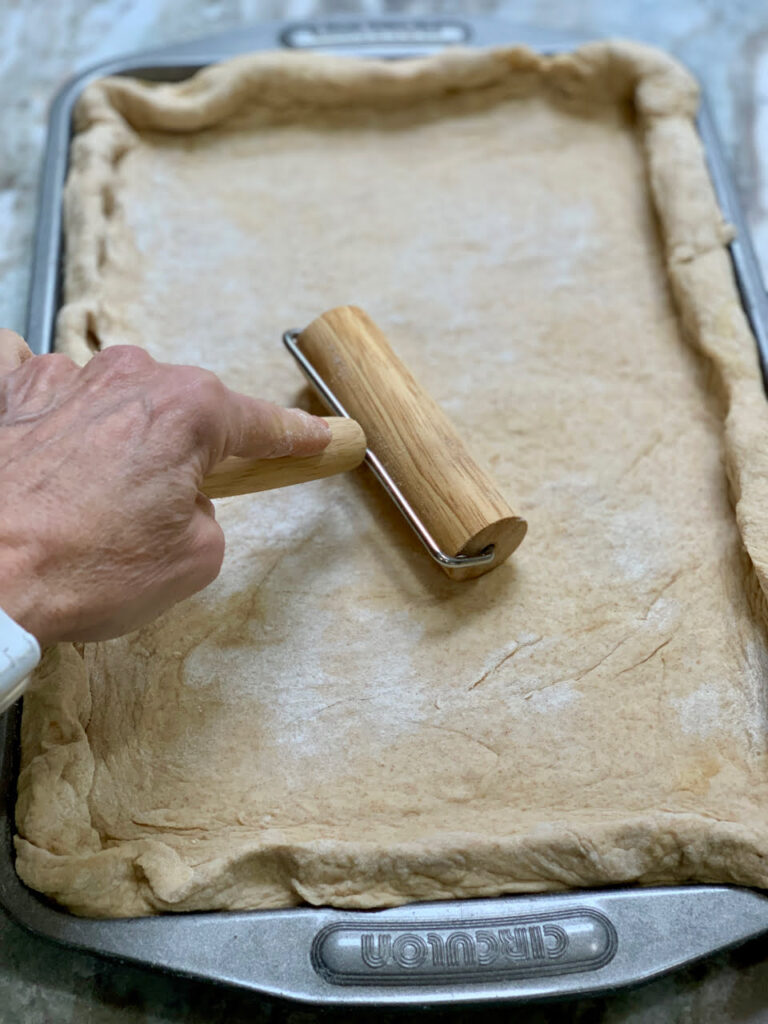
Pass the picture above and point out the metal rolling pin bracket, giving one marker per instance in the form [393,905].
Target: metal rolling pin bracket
[379,470]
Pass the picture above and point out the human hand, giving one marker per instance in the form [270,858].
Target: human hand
[102,522]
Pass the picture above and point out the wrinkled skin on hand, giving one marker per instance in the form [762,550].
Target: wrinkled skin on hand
[102,523]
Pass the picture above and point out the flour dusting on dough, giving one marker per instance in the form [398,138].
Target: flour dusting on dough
[703,712]
[552,698]
[639,540]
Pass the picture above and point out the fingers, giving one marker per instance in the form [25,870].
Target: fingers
[262,430]
[36,387]
[118,365]
[205,555]
[228,423]
[218,422]
[13,351]
[204,505]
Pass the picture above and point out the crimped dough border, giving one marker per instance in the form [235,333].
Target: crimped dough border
[59,852]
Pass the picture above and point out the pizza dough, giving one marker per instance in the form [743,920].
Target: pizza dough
[334,721]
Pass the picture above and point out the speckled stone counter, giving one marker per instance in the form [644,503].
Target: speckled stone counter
[43,42]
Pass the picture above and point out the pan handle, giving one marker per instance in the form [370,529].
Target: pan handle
[525,947]
[376,36]
[511,949]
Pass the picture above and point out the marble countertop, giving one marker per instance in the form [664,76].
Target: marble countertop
[725,42]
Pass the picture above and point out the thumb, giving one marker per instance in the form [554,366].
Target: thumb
[13,351]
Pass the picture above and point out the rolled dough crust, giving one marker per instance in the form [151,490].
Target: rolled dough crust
[333,721]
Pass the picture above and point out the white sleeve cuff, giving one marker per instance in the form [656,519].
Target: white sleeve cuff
[19,655]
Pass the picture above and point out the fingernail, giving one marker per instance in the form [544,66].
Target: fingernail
[316,429]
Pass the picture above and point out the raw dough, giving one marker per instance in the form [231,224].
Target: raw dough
[334,721]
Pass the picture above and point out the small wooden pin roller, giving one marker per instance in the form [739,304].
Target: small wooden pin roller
[450,502]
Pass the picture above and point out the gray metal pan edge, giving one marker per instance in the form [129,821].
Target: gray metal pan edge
[470,951]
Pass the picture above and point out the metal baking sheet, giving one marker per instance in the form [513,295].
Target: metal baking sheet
[473,951]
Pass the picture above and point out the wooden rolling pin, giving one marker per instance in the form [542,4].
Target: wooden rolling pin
[344,451]
[413,438]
